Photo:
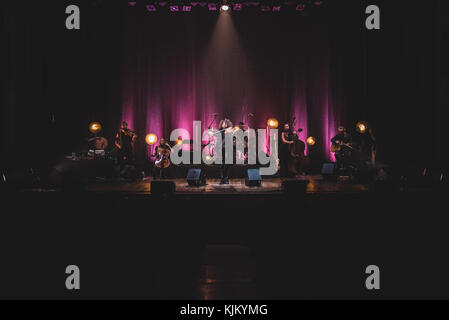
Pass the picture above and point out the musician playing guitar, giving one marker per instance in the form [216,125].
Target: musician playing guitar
[342,147]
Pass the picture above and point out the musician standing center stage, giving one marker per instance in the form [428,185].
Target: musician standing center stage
[225,126]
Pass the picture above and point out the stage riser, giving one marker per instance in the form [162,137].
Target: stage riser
[212,172]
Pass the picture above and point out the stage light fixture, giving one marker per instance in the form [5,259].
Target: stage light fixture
[212,6]
[237,7]
[151,139]
[311,141]
[95,127]
[174,8]
[361,127]
[187,8]
[224,7]
[300,7]
[273,123]
[179,142]
[151,7]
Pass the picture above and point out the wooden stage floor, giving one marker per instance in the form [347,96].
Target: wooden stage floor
[237,186]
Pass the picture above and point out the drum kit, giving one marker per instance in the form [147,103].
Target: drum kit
[97,147]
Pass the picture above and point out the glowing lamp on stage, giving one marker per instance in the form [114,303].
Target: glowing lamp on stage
[151,139]
[209,158]
[361,127]
[95,127]
[311,141]
[224,7]
[272,123]
[179,142]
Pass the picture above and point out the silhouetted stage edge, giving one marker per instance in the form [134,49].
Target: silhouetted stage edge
[270,186]
[236,186]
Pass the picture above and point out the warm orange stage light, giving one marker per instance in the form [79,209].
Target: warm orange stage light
[311,141]
[272,123]
[151,139]
[362,127]
[95,127]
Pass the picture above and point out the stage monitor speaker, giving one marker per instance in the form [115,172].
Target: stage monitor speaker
[253,178]
[196,177]
[162,187]
[295,187]
[328,171]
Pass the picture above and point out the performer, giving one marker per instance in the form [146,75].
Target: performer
[284,151]
[124,142]
[225,127]
[241,127]
[342,147]
[298,162]
[365,143]
[162,163]
[370,146]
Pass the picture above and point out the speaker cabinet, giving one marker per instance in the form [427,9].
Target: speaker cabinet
[253,178]
[295,187]
[328,171]
[196,177]
[162,187]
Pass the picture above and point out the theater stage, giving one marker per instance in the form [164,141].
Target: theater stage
[316,185]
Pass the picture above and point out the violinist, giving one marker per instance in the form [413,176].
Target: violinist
[124,142]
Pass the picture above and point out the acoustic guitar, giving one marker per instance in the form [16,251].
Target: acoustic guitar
[338,146]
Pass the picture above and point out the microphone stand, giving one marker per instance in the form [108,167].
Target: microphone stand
[210,125]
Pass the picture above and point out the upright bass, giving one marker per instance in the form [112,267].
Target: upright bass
[298,162]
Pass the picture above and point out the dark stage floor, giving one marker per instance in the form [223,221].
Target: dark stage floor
[226,245]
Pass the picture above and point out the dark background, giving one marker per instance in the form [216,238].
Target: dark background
[155,248]
[325,68]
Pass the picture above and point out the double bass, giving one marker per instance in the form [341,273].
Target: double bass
[298,162]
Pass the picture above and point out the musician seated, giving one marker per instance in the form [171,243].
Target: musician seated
[162,154]
[342,141]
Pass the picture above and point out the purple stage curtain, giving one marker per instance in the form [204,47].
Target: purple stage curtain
[180,69]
